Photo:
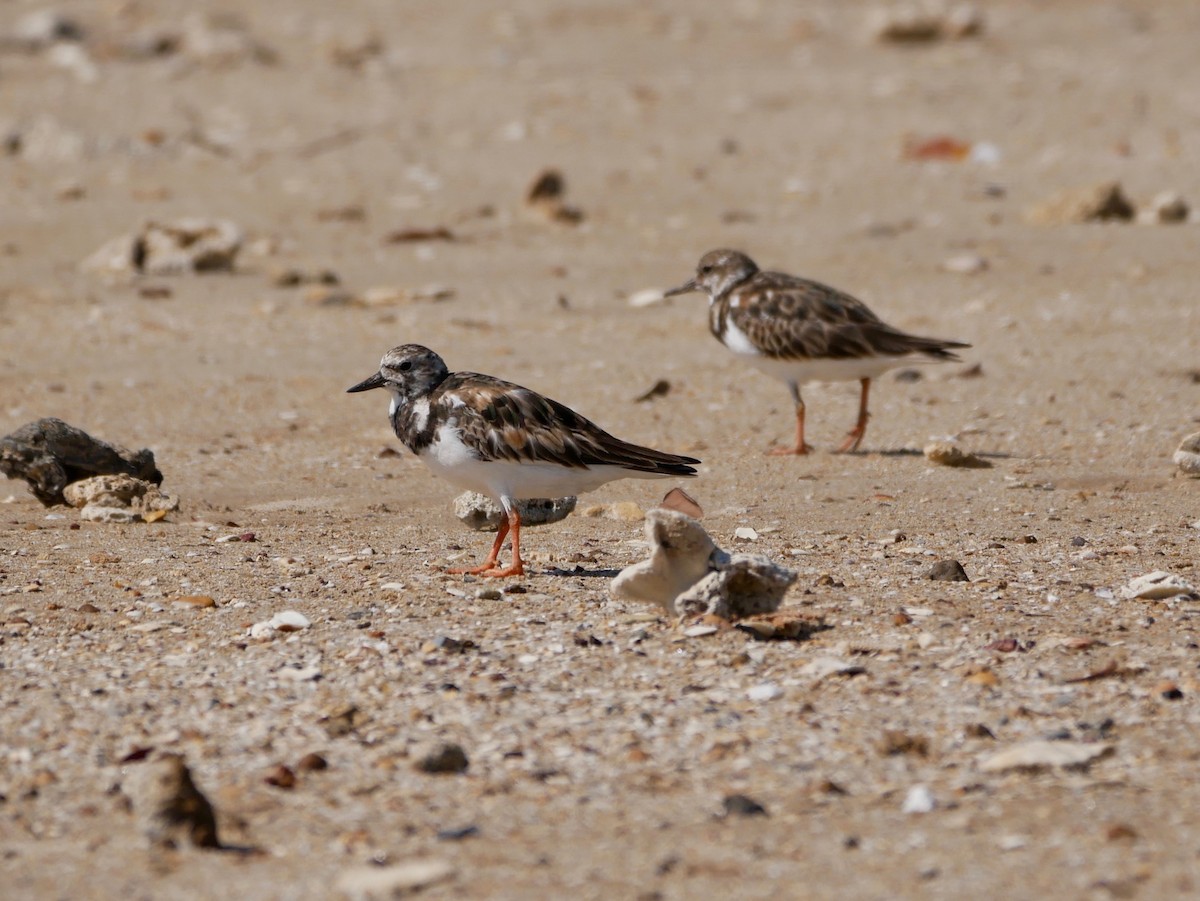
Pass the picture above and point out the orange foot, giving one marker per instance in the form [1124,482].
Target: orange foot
[797,451]
[496,572]
[471,570]
[853,440]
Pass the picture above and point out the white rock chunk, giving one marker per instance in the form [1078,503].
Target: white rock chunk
[1041,754]
[680,555]
[118,498]
[1187,456]
[687,574]
[289,621]
[919,800]
[1156,586]
[378,883]
[767,691]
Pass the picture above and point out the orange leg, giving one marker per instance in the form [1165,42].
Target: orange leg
[855,436]
[517,568]
[492,558]
[800,448]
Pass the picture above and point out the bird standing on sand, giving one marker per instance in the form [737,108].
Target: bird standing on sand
[802,331]
[504,441]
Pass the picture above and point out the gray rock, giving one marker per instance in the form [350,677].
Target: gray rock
[172,810]
[947,571]
[482,514]
[742,806]
[445,758]
[179,247]
[742,585]
[1187,455]
[49,454]
[1166,208]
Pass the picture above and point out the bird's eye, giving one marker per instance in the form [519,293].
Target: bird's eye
[705,270]
[405,366]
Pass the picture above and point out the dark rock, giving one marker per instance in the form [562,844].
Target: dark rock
[947,571]
[49,454]
[743,806]
[445,758]
[282,776]
[311,762]
[457,835]
[172,808]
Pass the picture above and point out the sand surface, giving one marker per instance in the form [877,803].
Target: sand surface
[601,741]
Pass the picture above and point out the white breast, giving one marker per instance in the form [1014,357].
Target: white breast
[737,340]
[448,457]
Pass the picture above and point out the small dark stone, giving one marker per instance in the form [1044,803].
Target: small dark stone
[1077,541]
[1030,539]
[743,806]
[1172,694]
[447,644]
[445,758]
[281,777]
[947,571]
[894,742]
[312,762]
[457,835]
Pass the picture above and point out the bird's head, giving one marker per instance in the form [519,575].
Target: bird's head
[409,372]
[717,272]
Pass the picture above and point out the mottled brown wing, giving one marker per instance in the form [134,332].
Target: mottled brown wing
[503,421]
[794,319]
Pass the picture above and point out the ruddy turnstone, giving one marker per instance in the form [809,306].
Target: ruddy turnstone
[505,441]
[802,331]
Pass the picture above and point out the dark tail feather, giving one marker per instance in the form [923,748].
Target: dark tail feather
[645,459]
[940,350]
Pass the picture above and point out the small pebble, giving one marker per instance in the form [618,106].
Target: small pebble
[742,806]
[965,264]
[1166,208]
[767,691]
[919,800]
[947,571]
[946,453]
[445,758]
[311,762]
[281,777]
[457,835]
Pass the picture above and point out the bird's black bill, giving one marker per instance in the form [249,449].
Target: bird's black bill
[375,381]
[686,288]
